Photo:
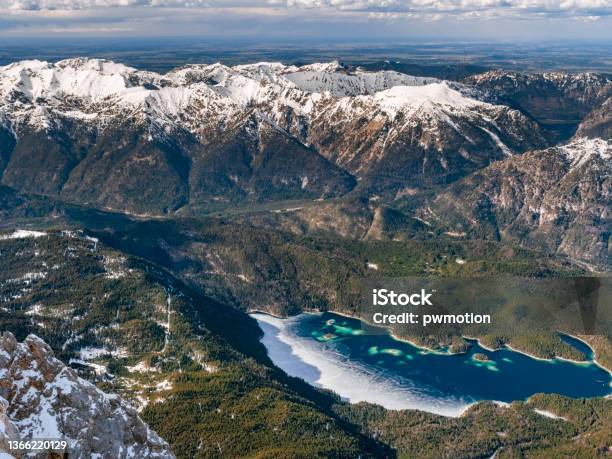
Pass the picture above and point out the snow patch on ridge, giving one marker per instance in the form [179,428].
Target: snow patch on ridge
[398,98]
[582,150]
[22,234]
[548,414]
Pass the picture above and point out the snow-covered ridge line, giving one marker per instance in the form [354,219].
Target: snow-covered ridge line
[100,81]
[559,77]
[208,100]
[98,78]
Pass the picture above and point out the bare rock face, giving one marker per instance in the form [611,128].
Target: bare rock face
[41,398]
[598,123]
[8,430]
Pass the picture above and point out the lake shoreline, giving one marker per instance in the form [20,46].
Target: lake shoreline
[329,377]
[594,351]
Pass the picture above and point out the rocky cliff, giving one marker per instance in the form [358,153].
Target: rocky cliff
[41,398]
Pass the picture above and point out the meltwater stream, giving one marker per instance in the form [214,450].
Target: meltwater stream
[331,351]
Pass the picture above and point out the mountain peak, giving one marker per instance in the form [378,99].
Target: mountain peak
[325,67]
[399,97]
[102,66]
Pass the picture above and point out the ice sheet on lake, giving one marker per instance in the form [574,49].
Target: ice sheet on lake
[323,366]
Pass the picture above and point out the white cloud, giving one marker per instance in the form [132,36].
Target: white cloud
[388,10]
[67,5]
[481,9]
[383,7]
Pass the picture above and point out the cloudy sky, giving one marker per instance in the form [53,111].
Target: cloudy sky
[311,19]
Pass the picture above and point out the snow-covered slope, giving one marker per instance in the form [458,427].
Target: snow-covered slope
[333,79]
[86,78]
[584,150]
[400,97]
[90,90]
[32,91]
[41,398]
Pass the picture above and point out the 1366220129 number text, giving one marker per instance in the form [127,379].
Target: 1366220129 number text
[51,445]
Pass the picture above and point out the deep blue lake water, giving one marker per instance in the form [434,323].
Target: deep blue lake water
[330,350]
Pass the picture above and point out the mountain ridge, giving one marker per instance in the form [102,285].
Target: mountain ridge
[352,122]
[555,199]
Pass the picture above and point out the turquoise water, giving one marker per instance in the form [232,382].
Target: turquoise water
[506,375]
[577,344]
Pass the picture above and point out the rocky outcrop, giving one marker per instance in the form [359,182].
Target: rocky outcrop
[41,398]
[8,430]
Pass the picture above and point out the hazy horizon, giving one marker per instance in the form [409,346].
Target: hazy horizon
[420,55]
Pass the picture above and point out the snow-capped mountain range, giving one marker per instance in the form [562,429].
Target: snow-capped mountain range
[36,93]
[336,123]
[108,135]
[79,87]
[95,80]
